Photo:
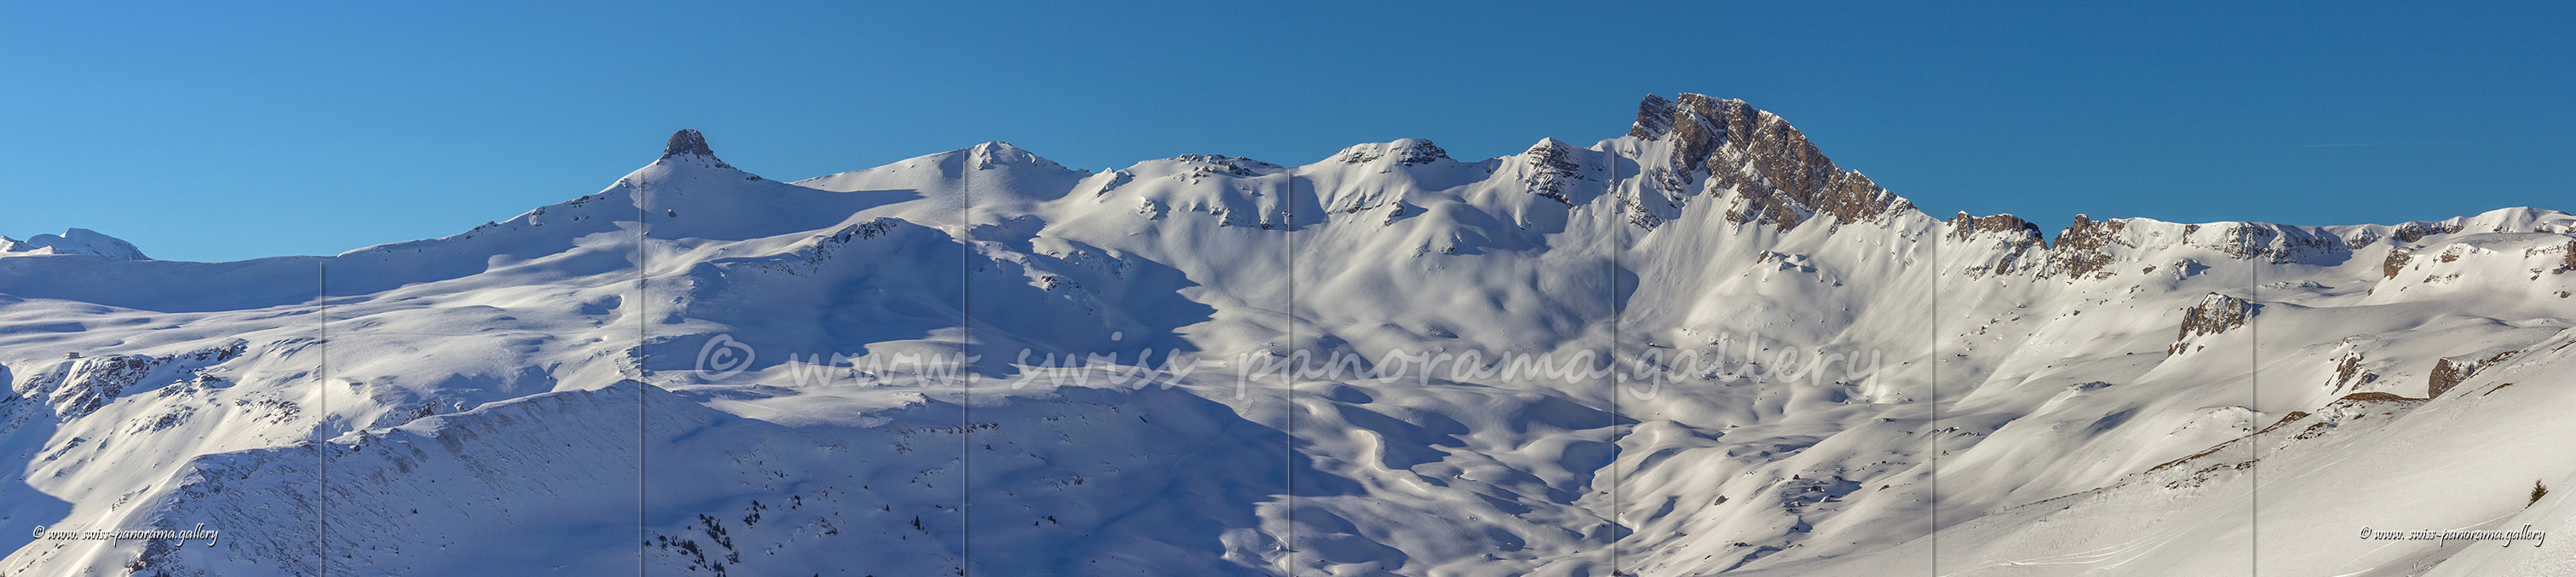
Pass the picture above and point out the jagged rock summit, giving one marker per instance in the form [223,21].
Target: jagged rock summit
[689,144]
[1776,176]
[688,141]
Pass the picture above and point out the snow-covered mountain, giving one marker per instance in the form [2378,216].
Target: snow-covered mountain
[74,241]
[1699,348]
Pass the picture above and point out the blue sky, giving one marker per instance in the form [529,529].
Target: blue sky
[215,132]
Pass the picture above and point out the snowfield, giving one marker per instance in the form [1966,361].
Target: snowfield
[1699,348]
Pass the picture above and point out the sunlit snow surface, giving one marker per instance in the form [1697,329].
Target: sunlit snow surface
[2133,398]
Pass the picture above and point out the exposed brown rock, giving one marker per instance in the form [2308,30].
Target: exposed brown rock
[1853,197]
[2397,259]
[2215,314]
[2084,247]
[1654,118]
[1778,176]
[2570,264]
[2348,372]
[2447,374]
[2285,419]
[1700,124]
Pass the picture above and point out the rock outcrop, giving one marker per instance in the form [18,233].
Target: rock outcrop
[2449,373]
[2216,313]
[1775,175]
[688,144]
[1404,152]
[2084,248]
[1553,167]
[2014,244]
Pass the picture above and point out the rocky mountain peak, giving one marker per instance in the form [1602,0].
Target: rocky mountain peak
[1654,118]
[1774,174]
[688,143]
[1553,167]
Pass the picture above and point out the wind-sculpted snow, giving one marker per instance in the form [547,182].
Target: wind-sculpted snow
[80,241]
[1699,348]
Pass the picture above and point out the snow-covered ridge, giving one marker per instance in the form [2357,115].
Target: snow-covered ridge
[529,392]
[75,241]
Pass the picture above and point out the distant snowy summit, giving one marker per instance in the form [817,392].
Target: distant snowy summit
[79,241]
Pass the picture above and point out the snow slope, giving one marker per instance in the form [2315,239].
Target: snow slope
[982,362]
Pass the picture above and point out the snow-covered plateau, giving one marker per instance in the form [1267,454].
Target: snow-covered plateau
[1699,348]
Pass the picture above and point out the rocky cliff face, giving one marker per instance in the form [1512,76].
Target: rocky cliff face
[2215,314]
[1551,167]
[1772,173]
[2448,373]
[688,145]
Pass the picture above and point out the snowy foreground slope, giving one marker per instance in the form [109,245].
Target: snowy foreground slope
[1385,362]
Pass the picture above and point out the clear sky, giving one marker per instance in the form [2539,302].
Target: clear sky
[221,131]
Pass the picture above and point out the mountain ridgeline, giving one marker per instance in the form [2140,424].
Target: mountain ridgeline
[1701,347]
